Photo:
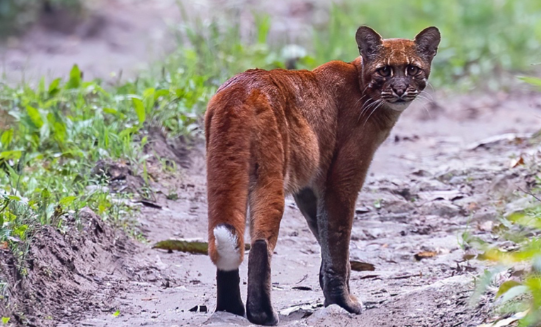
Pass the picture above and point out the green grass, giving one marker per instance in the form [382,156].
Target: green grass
[52,136]
[484,43]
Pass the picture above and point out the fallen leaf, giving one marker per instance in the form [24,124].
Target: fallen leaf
[468,256]
[498,139]
[3,245]
[149,204]
[424,255]
[507,322]
[506,286]
[517,162]
[194,247]
[361,266]
[307,308]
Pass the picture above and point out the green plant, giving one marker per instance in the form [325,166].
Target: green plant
[522,295]
[483,42]
[53,136]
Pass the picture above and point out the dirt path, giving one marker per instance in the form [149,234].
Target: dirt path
[427,185]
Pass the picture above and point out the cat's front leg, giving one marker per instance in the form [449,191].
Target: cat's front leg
[335,220]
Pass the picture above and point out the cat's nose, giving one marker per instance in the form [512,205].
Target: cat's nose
[399,91]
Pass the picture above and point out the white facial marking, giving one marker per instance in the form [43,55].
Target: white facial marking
[398,106]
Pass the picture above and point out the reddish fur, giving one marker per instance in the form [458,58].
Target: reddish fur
[270,133]
[262,117]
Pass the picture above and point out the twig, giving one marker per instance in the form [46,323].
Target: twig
[530,194]
[407,276]
[302,279]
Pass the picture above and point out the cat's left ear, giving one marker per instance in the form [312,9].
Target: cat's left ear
[427,41]
[369,42]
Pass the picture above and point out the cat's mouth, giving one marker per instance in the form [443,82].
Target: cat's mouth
[398,104]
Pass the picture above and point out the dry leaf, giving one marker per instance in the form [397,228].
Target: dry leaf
[517,162]
[424,255]
[507,322]
[362,266]
[3,245]
[468,256]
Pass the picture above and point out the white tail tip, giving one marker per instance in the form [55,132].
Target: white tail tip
[227,247]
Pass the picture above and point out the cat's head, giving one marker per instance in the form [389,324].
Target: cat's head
[395,71]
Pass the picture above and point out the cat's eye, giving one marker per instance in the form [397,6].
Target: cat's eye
[412,70]
[384,71]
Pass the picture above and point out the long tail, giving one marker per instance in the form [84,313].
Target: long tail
[228,157]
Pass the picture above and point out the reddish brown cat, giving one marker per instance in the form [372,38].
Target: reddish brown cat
[311,134]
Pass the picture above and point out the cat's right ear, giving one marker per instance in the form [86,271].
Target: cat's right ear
[368,42]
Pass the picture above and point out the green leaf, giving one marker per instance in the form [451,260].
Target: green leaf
[20,231]
[5,320]
[10,154]
[161,93]
[68,200]
[53,87]
[116,313]
[6,138]
[513,292]
[75,78]
[139,109]
[41,86]
[35,116]
[506,286]
[531,80]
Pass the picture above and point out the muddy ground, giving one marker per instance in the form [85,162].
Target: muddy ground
[436,177]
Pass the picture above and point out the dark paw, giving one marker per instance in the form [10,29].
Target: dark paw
[348,302]
[229,299]
[265,317]
[234,308]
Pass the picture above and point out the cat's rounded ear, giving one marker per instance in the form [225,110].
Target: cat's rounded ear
[427,41]
[368,42]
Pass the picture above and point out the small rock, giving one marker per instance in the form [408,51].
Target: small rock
[442,209]
[486,226]
[325,313]
[361,210]
[222,318]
